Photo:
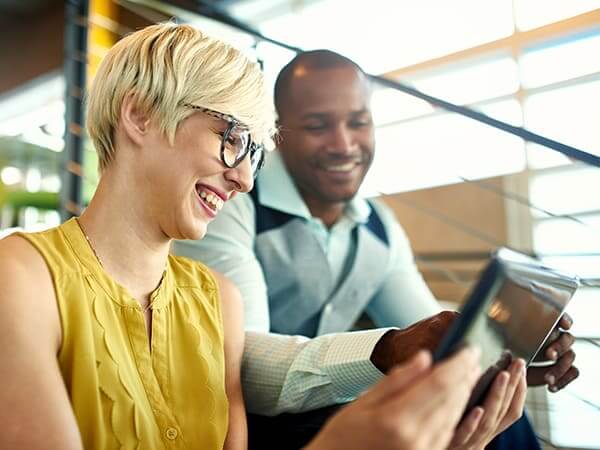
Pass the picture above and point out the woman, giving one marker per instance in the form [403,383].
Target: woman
[109,342]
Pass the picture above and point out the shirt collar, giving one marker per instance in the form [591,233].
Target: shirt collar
[277,190]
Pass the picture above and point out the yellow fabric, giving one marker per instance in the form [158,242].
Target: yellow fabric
[124,394]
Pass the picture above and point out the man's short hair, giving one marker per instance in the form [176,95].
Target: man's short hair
[314,59]
[166,66]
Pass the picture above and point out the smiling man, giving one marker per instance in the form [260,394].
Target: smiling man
[310,256]
[327,133]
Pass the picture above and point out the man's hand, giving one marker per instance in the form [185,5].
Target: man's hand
[562,372]
[397,346]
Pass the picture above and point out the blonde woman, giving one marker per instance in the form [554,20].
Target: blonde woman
[107,341]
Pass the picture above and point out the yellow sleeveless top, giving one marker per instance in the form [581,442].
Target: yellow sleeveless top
[126,395]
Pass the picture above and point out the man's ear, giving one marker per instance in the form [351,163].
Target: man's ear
[134,121]
[280,130]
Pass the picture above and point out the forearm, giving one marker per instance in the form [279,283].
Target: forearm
[293,373]
[237,431]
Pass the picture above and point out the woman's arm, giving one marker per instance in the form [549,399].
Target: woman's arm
[233,324]
[415,407]
[34,406]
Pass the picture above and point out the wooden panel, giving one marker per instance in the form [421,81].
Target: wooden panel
[456,218]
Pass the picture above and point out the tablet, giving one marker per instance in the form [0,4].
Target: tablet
[510,313]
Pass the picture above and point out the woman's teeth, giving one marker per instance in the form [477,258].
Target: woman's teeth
[213,201]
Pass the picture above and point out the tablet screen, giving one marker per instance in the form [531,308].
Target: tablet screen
[509,314]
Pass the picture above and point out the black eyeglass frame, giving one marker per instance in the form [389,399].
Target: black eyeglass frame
[251,147]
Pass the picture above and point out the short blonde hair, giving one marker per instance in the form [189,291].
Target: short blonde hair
[167,66]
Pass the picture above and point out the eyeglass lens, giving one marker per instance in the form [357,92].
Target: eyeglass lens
[236,145]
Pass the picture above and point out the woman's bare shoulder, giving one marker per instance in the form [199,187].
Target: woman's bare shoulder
[27,287]
[20,259]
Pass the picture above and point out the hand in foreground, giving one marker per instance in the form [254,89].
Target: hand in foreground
[502,407]
[562,372]
[397,346]
[416,406]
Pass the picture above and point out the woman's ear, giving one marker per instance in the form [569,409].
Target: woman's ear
[134,121]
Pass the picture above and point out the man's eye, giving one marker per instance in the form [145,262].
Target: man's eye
[360,123]
[315,126]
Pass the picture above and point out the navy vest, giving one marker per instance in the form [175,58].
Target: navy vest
[302,297]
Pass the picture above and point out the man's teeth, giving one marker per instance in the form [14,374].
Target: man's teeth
[212,200]
[342,167]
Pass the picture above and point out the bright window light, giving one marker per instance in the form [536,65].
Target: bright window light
[33,179]
[11,175]
[37,137]
[473,82]
[586,266]
[574,418]
[540,157]
[536,13]
[508,111]
[47,90]
[569,60]
[55,127]
[566,192]
[584,307]
[440,150]
[273,58]
[569,115]
[556,236]
[50,183]
[356,28]
[390,105]
[34,118]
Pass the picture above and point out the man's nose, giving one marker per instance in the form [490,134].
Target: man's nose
[342,140]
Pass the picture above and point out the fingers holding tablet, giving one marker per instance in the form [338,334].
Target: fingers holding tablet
[562,372]
[502,406]
[416,406]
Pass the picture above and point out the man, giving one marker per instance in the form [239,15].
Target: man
[310,256]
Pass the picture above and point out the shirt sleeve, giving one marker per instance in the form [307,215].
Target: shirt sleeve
[404,297]
[294,373]
[280,373]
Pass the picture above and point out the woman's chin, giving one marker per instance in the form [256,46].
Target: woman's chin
[197,233]
[192,230]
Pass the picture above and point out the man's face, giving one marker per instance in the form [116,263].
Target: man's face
[327,133]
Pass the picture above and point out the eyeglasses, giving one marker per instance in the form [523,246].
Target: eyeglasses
[236,142]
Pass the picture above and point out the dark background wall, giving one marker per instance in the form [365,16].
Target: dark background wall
[31,40]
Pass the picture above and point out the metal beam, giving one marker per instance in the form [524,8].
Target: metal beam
[76,15]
